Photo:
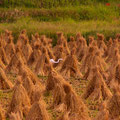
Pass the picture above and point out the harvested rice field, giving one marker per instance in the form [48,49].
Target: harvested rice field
[59,59]
[69,81]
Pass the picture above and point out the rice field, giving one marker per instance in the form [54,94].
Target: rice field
[69,81]
[59,60]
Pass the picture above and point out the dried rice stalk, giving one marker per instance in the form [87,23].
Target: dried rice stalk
[26,49]
[58,95]
[36,93]
[101,44]
[112,50]
[27,84]
[38,112]
[4,82]
[77,108]
[117,74]
[34,56]
[53,79]
[24,69]
[103,114]
[113,104]
[97,88]
[65,116]
[15,61]
[88,59]
[16,116]
[72,43]
[10,48]
[3,55]
[43,63]
[59,53]
[2,114]
[2,64]
[70,66]
[20,101]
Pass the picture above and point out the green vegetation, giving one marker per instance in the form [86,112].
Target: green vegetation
[51,3]
[69,27]
[69,16]
[79,13]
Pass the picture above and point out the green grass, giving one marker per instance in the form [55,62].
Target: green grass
[42,77]
[78,13]
[50,3]
[68,27]
[86,16]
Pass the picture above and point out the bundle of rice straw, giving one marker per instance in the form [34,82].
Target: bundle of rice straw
[117,74]
[3,55]
[16,116]
[72,43]
[2,40]
[82,49]
[78,110]
[35,40]
[38,111]
[50,53]
[58,96]
[26,49]
[103,114]
[20,101]
[53,79]
[112,49]
[43,63]
[91,40]
[34,56]
[112,68]
[113,105]
[23,69]
[78,36]
[88,59]
[59,53]
[109,45]
[97,88]
[5,36]
[27,84]
[65,116]
[115,57]
[43,40]
[98,60]
[101,43]
[21,37]
[4,82]
[36,93]
[70,66]
[62,41]
[2,65]
[118,37]
[2,114]
[10,48]
[13,66]
[20,53]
